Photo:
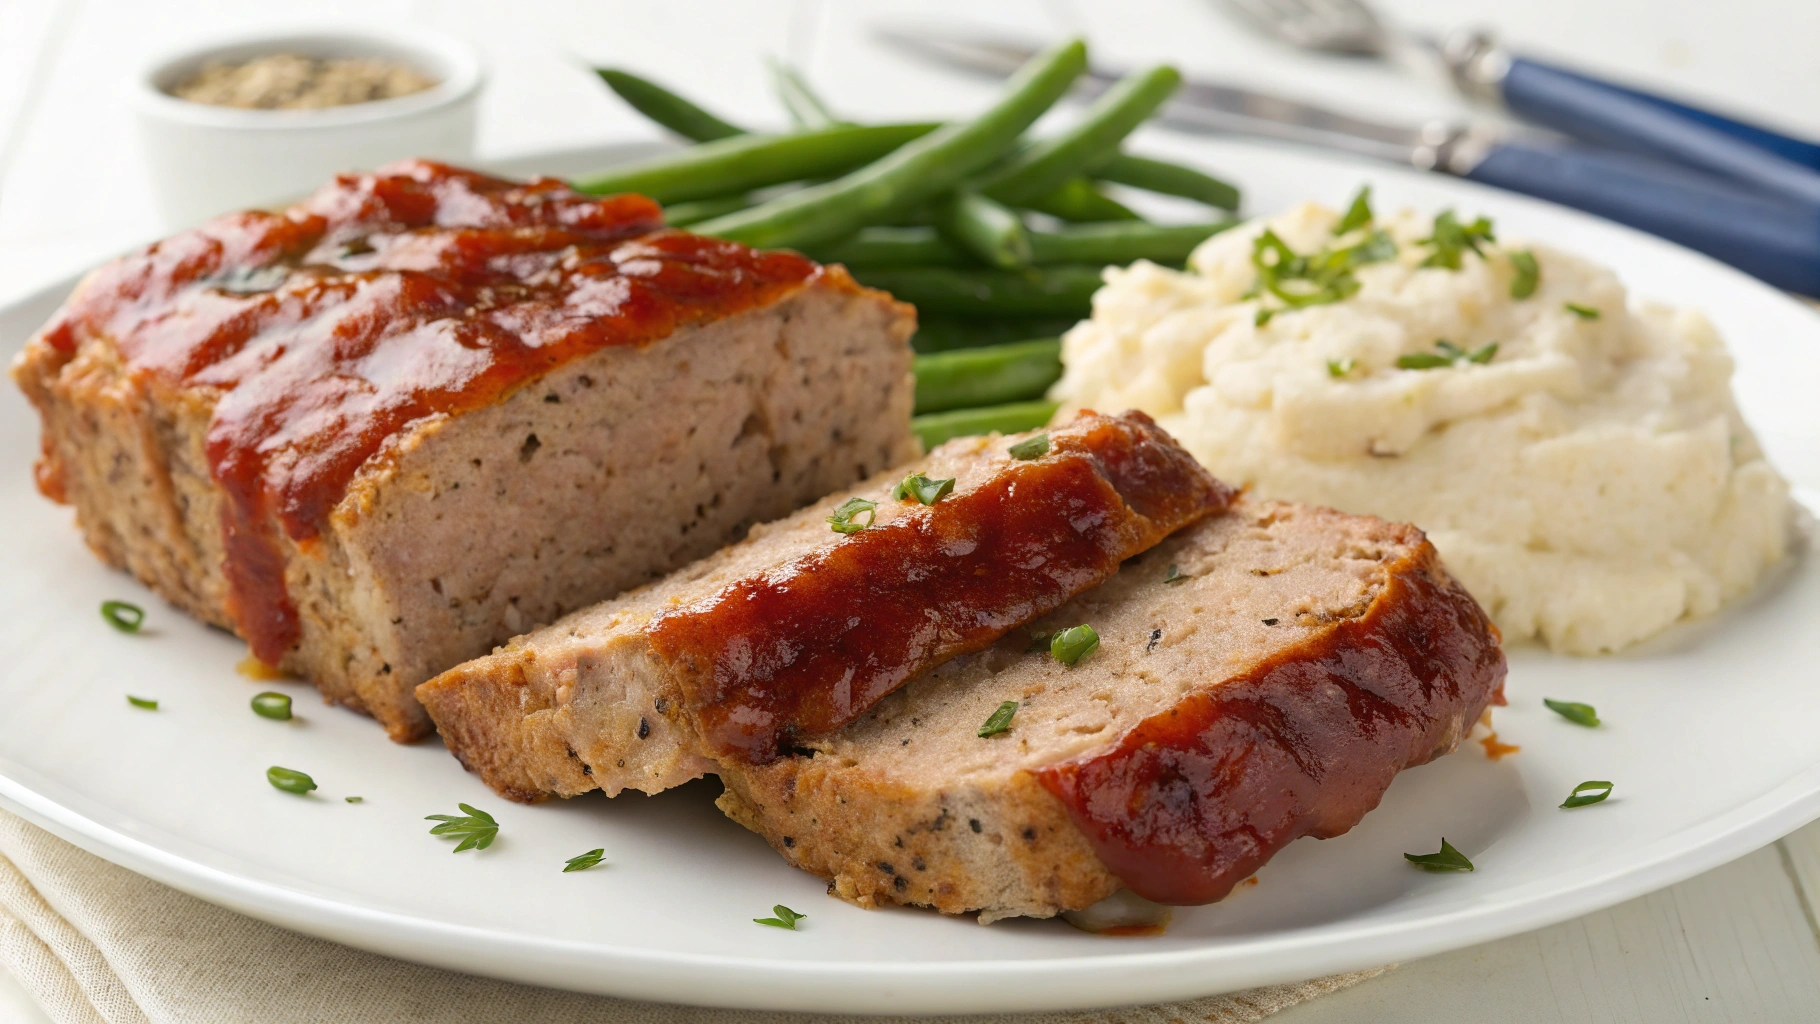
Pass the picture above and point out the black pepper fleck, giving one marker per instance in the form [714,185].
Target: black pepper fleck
[885,866]
[644,728]
[1270,622]
[789,841]
[900,883]
[662,705]
[974,824]
[1156,636]
[1030,835]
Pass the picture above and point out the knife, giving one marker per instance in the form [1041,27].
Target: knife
[1774,239]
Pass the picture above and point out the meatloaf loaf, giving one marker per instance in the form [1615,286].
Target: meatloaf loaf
[1260,677]
[382,431]
[802,627]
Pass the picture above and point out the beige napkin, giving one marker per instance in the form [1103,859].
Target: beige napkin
[97,944]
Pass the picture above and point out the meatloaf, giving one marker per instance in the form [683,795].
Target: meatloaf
[386,429]
[802,627]
[1260,677]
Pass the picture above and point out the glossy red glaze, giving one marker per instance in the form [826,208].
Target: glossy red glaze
[1192,801]
[417,290]
[808,647]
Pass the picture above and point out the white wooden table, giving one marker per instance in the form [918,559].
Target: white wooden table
[1740,943]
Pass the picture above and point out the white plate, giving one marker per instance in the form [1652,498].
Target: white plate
[1710,740]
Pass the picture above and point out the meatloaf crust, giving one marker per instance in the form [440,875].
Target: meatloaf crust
[1274,692]
[801,628]
[385,430]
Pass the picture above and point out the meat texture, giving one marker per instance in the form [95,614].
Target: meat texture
[387,429]
[801,628]
[1261,676]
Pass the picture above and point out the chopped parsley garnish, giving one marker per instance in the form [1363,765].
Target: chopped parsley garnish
[1340,367]
[785,919]
[142,702]
[1446,354]
[1000,720]
[1448,859]
[475,828]
[1030,448]
[1358,215]
[1583,312]
[1072,644]
[1315,280]
[1451,240]
[1529,273]
[842,521]
[1579,714]
[276,706]
[289,780]
[584,861]
[1587,793]
[123,616]
[922,489]
[1176,576]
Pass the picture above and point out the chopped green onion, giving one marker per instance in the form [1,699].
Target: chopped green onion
[1263,316]
[1583,312]
[785,919]
[355,799]
[1446,354]
[475,828]
[1072,644]
[923,489]
[1000,720]
[842,521]
[1587,793]
[1448,859]
[1030,448]
[289,780]
[582,862]
[123,616]
[1358,215]
[276,706]
[1529,273]
[1175,576]
[1340,367]
[1579,714]
[142,702]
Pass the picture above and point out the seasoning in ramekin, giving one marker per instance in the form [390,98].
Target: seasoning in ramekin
[288,81]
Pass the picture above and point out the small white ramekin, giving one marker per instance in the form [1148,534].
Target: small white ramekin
[206,160]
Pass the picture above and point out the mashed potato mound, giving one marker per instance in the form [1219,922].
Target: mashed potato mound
[1590,481]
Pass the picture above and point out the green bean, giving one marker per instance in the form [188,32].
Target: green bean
[937,427]
[1043,166]
[1104,242]
[805,108]
[681,215]
[972,377]
[666,108]
[987,229]
[920,170]
[1122,242]
[945,334]
[747,162]
[1063,290]
[1168,179]
[1078,200]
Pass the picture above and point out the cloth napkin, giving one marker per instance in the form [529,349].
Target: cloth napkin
[97,944]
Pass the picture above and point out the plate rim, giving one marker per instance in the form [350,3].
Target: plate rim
[1092,979]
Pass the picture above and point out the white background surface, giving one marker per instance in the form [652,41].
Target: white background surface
[1737,944]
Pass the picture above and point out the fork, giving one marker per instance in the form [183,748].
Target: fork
[1578,105]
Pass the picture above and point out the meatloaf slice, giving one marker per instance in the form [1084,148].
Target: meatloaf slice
[383,431]
[1306,658]
[800,628]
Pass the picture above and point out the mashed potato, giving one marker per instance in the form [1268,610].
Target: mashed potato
[1589,480]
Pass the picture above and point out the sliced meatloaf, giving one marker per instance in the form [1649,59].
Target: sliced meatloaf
[385,430]
[1260,677]
[802,627]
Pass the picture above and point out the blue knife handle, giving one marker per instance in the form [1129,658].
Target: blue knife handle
[1777,242]
[1590,112]
[1800,151]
